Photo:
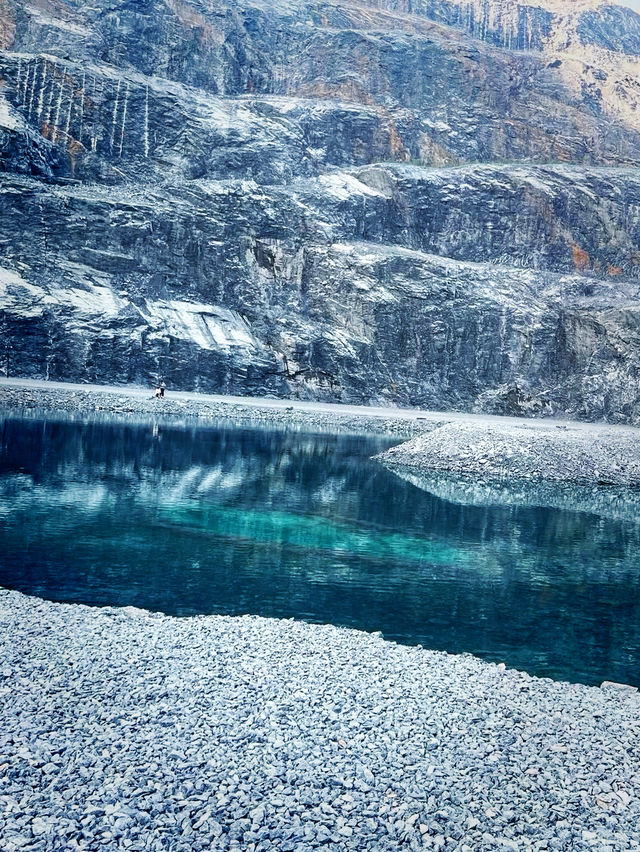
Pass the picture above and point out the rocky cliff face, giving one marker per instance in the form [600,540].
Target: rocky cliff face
[430,202]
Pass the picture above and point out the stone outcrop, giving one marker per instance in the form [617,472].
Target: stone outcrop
[432,202]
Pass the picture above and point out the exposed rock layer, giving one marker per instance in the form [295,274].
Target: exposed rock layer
[316,201]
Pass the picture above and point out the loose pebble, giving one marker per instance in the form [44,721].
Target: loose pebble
[124,729]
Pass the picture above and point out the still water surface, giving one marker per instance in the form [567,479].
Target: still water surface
[292,524]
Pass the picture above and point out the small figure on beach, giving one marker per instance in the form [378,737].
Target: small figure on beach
[159,391]
[161,388]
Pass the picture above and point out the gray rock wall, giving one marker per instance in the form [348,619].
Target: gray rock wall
[395,204]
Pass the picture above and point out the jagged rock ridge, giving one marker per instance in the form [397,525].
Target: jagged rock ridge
[432,203]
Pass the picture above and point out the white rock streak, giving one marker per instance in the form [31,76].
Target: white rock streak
[84,82]
[43,86]
[26,87]
[59,105]
[146,123]
[94,136]
[50,102]
[115,113]
[68,122]
[33,88]
[18,77]
[124,117]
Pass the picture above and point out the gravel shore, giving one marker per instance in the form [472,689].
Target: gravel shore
[136,404]
[601,455]
[453,442]
[123,729]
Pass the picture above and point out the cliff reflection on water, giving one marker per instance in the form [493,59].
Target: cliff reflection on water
[290,524]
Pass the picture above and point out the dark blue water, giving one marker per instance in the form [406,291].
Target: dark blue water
[289,524]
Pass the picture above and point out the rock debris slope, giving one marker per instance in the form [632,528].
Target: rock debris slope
[432,202]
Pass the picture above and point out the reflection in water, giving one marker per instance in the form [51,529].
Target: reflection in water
[611,502]
[290,524]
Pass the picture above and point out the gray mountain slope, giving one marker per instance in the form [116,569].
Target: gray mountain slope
[431,203]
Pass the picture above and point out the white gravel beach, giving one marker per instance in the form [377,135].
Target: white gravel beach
[123,729]
[135,403]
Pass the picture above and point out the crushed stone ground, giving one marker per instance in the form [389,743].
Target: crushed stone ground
[123,729]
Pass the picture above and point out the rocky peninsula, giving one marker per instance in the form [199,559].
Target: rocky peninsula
[598,455]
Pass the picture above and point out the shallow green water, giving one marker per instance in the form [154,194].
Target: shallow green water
[289,524]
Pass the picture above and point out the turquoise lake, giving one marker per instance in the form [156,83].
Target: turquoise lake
[285,523]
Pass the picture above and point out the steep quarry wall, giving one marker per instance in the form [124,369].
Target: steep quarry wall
[428,202]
